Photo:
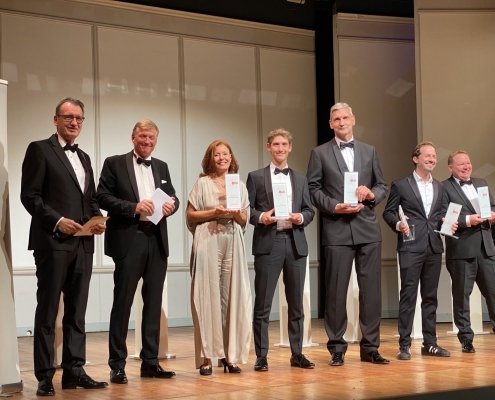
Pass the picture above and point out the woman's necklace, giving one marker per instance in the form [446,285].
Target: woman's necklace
[219,183]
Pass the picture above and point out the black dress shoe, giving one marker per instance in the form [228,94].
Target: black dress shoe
[374,357]
[118,376]
[467,346]
[337,359]
[155,371]
[83,381]
[45,387]
[261,364]
[300,361]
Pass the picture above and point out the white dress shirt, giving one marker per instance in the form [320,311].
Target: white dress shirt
[145,181]
[472,195]
[78,169]
[282,178]
[347,153]
[426,192]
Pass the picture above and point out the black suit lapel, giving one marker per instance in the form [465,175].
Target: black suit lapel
[415,189]
[268,187]
[156,174]
[357,157]
[436,189]
[461,194]
[132,175]
[338,155]
[59,151]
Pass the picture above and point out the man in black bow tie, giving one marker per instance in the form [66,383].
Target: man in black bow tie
[57,189]
[279,244]
[350,233]
[471,258]
[139,248]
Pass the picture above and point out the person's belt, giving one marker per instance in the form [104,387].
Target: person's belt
[147,227]
[284,231]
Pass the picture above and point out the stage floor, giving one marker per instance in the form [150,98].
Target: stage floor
[462,376]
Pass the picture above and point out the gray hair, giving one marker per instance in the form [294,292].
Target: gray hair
[340,106]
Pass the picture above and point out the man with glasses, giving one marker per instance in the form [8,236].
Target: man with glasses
[58,191]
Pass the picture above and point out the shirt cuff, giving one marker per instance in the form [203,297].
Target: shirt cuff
[56,225]
[397,226]
[468,221]
[259,219]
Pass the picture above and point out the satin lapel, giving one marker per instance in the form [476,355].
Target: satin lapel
[436,189]
[338,155]
[414,186]
[466,201]
[132,175]
[357,157]
[154,171]
[59,151]
[295,188]
[268,187]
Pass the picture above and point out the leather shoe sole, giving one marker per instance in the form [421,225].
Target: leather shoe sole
[374,357]
[301,363]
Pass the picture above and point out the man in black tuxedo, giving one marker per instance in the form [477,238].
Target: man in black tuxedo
[420,251]
[349,233]
[471,258]
[57,190]
[279,245]
[138,247]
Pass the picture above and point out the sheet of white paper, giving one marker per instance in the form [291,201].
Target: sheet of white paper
[451,216]
[159,198]
[87,226]
[484,201]
[350,186]
[233,191]
[280,200]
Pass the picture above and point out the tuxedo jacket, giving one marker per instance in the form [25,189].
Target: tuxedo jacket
[470,239]
[50,190]
[118,194]
[259,186]
[326,185]
[405,192]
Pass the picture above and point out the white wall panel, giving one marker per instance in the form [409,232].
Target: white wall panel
[220,98]
[44,61]
[139,78]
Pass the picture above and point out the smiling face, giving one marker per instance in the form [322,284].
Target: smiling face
[69,131]
[461,167]
[427,159]
[144,141]
[342,122]
[222,159]
[279,149]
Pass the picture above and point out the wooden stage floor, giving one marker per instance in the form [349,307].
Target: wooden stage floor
[462,376]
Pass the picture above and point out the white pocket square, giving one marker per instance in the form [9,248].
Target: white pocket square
[164,181]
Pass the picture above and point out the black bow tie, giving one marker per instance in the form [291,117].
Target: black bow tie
[71,147]
[284,171]
[468,182]
[343,145]
[145,162]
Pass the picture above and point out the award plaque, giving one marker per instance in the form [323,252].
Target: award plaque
[452,216]
[233,191]
[350,186]
[280,200]
[403,219]
[484,201]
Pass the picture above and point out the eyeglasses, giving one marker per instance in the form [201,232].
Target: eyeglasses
[69,118]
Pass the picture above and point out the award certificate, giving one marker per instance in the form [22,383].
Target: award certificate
[484,200]
[233,191]
[350,186]
[280,200]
